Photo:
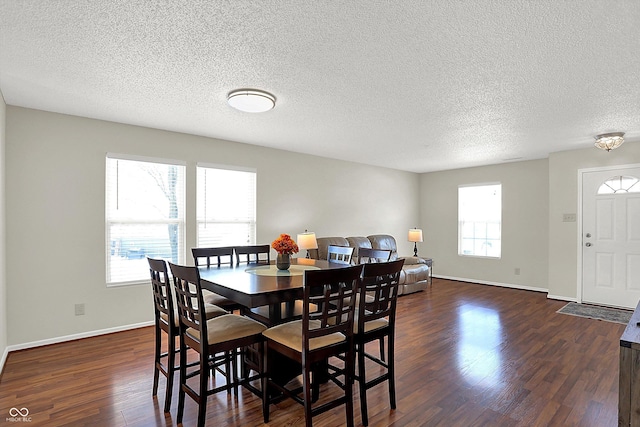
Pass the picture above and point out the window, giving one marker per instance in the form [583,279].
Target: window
[144,216]
[226,206]
[479,220]
[620,184]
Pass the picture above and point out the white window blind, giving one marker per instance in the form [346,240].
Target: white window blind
[226,206]
[144,216]
[480,220]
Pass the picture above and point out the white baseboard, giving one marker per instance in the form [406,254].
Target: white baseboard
[562,298]
[485,282]
[3,360]
[65,338]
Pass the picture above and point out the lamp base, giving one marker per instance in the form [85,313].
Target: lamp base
[415,249]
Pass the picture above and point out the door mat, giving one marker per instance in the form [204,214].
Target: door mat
[596,312]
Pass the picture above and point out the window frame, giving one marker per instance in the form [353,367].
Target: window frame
[252,221]
[181,220]
[462,222]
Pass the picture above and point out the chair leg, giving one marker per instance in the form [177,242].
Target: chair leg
[316,378]
[306,386]
[204,380]
[348,383]
[382,349]
[362,385]
[227,368]
[171,361]
[265,384]
[234,367]
[156,370]
[183,379]
[391,370]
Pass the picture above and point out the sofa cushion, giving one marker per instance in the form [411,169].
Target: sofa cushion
[384,241]
[357,243]
[323,246]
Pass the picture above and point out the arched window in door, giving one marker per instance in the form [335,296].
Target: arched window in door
[620,184]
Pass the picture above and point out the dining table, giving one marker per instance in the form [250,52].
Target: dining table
[265,291]
[269,295]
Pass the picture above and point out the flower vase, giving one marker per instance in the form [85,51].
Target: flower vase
[283,261]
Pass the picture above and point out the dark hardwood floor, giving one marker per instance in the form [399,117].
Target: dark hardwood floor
[467,355]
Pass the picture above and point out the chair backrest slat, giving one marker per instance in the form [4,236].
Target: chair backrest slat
[339,254]
[162,294]
[186,281]
[367,255]
[214,256]
[379,291]
[255,254]
[329,301]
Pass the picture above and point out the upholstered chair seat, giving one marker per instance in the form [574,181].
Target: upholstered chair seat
[290,334]
[228,327]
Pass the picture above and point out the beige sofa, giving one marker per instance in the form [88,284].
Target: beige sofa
[415,272]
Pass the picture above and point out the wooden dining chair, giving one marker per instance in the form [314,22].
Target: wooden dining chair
[256,254]
[166,321]
[339,254]
[325,330]
[216,257]
[375,320]
[220,335]
[368,255]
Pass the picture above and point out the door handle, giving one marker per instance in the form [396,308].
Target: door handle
[588,244]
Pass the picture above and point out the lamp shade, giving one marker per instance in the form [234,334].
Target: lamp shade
[415,235]
[307,240]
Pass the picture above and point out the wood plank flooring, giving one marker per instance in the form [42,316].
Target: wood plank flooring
[467,355]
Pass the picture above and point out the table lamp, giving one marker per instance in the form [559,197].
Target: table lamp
[306,241]
[415,235]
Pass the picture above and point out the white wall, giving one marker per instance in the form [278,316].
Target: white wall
[524,224]
[563,198]
[52,166]
[3,280]
[55,168]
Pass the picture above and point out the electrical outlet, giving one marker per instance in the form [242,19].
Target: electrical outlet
[568,217]
[517,271]
[79,309]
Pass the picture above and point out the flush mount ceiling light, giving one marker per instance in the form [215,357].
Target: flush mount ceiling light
[609,141]
[251,100]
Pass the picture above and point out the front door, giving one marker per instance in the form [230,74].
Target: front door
[611,237]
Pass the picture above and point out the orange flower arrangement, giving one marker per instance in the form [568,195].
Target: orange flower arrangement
[285,245]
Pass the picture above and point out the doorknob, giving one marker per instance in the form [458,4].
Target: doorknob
[588,244]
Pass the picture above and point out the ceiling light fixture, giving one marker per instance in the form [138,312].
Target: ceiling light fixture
[609,141]
[251,100]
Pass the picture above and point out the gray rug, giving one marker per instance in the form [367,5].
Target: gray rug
[596,312]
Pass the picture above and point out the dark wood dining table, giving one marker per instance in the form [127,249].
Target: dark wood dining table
[262,286]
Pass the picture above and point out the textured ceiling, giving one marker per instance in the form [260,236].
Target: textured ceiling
[411,85]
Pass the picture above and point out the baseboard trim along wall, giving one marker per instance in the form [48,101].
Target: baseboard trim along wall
[484,282]
[562,298]
[3,360]
[73,337]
